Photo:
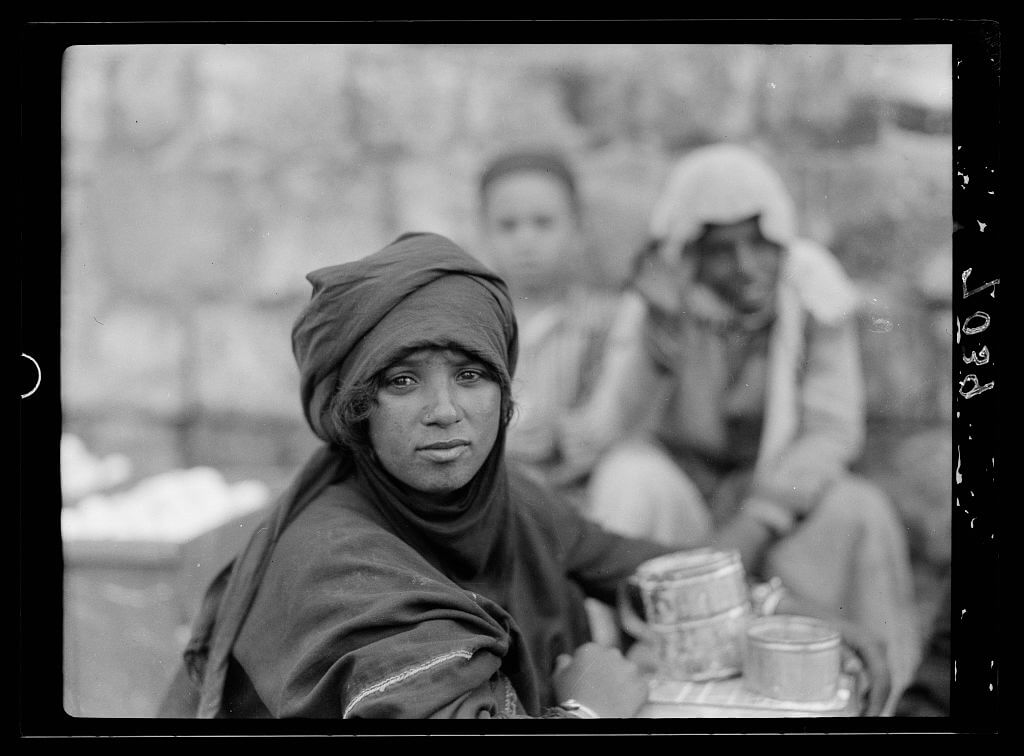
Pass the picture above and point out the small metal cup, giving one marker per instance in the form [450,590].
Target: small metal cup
[792,658]
[696,605]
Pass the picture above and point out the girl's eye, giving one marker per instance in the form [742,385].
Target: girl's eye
[399,381]
[476,375]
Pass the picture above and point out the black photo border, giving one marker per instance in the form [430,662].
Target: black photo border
[978,230]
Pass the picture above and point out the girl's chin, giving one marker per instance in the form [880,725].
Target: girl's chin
[442,484]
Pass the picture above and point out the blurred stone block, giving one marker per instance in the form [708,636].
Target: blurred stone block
[151,443]
[619,189]
[127,356]
[169,236]
[904,369]
[243,361]
[250,443]
[314,220]
[149,92]
[85,102]
[128,608]
[429,196]
[889,205]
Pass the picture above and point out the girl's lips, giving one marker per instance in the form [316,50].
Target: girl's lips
[450,444]
[444,452]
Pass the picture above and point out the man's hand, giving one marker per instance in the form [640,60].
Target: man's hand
[864,658]
[601,679]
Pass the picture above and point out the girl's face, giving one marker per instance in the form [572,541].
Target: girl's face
[531,227]
[737,262]
[437,415]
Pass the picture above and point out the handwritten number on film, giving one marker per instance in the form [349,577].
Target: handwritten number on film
[972,326]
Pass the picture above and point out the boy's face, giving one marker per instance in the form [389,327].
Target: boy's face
[531,228]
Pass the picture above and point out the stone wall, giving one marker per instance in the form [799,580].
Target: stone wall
[203,182]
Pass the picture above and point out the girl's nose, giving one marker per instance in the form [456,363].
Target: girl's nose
[442,408]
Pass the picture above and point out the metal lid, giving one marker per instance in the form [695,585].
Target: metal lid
[683,564]
[792,633]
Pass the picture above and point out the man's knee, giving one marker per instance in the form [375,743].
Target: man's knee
[631,463]
[638,490]
[857,501]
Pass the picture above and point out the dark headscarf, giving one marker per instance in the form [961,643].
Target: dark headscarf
[421,290]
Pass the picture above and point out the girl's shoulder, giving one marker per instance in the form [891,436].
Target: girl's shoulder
[338,519]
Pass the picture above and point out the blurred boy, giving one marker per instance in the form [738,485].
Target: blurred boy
[531,219]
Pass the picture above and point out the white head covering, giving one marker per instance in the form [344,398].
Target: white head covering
[726,183]
[722,183]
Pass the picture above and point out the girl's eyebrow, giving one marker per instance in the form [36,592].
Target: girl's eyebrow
[466,359]
[416,359]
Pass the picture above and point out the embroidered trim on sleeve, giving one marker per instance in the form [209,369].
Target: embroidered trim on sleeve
[402,676]
[512,707]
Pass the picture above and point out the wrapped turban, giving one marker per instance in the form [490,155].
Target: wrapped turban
[420,290]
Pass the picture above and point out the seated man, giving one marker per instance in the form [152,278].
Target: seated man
[730,404]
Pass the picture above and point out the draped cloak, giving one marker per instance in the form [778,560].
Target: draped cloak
[360,597]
